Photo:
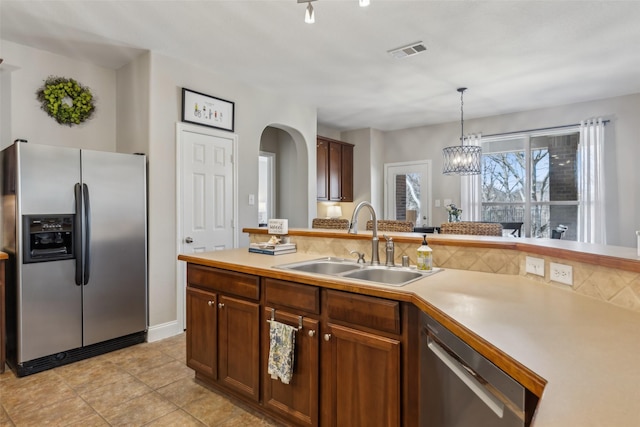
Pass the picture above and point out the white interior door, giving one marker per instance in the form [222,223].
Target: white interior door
[408,191]
[207,202]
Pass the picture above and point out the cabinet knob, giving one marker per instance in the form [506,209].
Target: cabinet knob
[327,337]
[210,303]
[312,333]
[220,305]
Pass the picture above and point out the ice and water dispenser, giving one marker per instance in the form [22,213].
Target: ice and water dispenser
[48,237]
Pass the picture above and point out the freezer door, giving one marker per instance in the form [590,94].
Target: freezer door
[49,301]
[47,176]
[115,295]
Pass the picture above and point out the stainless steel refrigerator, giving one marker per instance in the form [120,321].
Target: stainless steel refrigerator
[74,226]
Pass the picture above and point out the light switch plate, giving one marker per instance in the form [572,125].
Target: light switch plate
[437,203]
[535,265]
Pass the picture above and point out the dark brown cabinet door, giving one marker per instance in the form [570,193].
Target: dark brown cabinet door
[298,400]
[361,378]
[322,160]
[334,170]
[239,345]
[201,332]
[346,175]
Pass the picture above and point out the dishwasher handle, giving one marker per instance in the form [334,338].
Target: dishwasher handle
[462,372]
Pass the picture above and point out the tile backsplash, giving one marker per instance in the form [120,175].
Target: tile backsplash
[618,287]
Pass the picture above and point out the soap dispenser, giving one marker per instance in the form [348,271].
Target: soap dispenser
[425,255]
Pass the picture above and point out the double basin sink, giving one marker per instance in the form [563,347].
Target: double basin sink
[348,269]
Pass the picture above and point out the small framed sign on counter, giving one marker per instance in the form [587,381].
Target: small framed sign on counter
[206,110]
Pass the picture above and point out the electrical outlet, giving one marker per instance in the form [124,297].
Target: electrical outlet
[561,273]
[535,266]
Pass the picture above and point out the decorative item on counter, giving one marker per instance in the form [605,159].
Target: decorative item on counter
[274,240]
[272,247]
[425,255]
[278,226]
[66,100]
[454,212]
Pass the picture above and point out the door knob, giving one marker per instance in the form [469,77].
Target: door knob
[188,240]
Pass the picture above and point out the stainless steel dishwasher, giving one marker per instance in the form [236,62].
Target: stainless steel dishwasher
[460,388]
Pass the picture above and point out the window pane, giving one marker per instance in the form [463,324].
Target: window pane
[503,177]
[563,173]
[408,196]
[539,226]
[540,175]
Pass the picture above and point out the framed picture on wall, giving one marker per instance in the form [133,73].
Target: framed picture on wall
[202,109]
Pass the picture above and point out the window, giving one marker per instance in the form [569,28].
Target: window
[532,179]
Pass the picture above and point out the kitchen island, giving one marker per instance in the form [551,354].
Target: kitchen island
[577,354]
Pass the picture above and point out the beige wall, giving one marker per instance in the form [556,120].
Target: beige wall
[23,72]
[255,110]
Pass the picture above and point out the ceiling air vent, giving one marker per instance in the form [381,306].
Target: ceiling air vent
[409,50]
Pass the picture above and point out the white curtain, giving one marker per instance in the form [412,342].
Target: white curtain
[470,191]
[591,211]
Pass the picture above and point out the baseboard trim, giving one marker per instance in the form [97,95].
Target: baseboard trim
[163,330]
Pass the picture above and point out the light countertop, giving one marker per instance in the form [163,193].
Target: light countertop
[586,351]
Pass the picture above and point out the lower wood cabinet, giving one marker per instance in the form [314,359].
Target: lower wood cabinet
[348,362]
[202,332]
[239,345]
[361,374]
[298,400]
[223,331]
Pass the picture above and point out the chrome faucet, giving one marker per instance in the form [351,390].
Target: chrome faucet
[353,229]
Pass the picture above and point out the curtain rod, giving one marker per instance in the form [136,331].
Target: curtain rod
[537,130]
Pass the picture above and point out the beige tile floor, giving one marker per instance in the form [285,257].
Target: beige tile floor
[144,385]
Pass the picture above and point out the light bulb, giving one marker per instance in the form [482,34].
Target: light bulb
[309,16]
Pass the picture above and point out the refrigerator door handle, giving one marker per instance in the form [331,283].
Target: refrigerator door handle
[77,243]
[87,239]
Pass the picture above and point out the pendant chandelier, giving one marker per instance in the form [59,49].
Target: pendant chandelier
[461,159]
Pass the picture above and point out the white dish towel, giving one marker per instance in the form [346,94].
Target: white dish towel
[282,341]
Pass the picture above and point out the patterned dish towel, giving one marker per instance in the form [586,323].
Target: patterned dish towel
[282,340]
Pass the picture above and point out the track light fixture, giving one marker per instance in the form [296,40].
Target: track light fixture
[310,16]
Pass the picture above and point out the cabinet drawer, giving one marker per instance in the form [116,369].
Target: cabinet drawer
[229,282]
[292,295]
[371,312]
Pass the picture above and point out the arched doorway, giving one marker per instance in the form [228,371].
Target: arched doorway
[288,187]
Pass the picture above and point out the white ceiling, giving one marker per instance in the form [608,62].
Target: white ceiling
[512,55]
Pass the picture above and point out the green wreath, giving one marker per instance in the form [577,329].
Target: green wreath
[66,100]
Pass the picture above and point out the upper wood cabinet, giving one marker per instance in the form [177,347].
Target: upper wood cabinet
[334,170]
